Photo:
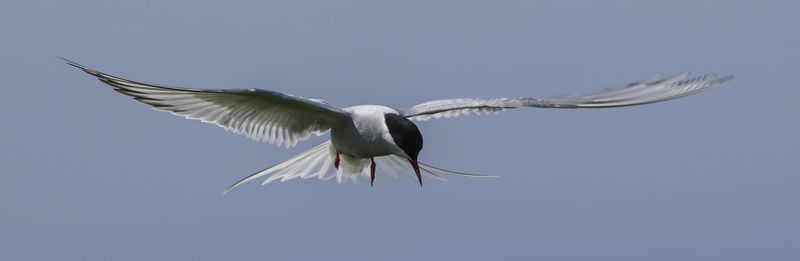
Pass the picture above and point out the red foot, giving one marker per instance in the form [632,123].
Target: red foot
[336,161]
[372,172]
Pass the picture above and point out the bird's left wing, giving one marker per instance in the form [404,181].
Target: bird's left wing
[261,115]
[652,90]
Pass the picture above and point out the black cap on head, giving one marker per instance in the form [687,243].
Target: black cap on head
[405,134]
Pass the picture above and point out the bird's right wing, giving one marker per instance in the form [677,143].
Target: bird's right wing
[652,90]
[261,115]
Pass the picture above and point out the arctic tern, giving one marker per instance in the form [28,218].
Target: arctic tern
[363,135]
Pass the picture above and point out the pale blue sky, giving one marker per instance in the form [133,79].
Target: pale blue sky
[89,174]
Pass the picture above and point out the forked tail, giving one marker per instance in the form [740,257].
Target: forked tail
[317,162]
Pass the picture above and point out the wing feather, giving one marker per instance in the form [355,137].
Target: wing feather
[261,115]
[651,90]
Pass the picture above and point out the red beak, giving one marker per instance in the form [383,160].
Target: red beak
[416,169]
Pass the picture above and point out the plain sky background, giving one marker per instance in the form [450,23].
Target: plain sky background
[89,174]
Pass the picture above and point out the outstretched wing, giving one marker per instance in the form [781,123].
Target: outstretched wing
[652,90]
[262,115]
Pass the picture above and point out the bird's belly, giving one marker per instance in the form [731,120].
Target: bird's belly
[360,145]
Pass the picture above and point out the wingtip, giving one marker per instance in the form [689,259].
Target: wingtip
[70,62]
[80,66]
[714,81]
[726,78]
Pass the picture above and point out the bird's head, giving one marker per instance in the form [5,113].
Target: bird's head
[406,135]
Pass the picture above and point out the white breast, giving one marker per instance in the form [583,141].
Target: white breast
[367,135]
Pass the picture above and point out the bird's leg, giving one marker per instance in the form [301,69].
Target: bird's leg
[336,161]
[372,172]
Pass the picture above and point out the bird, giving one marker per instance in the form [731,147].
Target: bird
[362,135]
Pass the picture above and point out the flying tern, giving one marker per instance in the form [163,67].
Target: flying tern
[363,135]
